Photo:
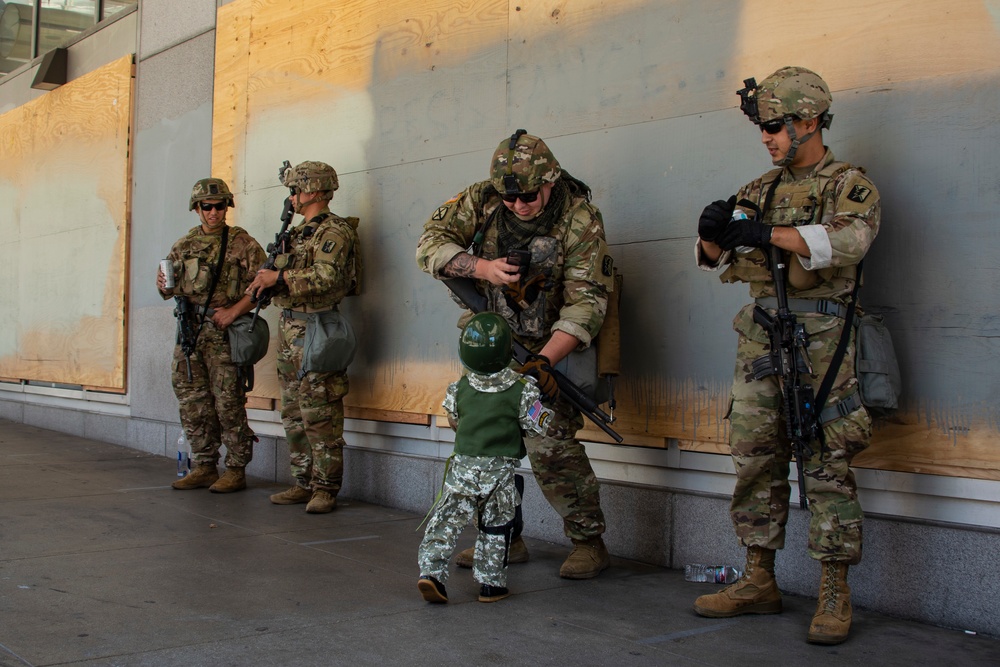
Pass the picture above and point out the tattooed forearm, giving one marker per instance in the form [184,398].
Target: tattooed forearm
[462,265]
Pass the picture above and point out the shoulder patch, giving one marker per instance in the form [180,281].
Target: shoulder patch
[441,212]
[607,266]
[859,193]
[329,245]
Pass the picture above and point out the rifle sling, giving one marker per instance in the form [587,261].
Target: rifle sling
[215,282]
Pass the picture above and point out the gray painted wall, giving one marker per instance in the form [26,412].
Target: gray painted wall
[928,144]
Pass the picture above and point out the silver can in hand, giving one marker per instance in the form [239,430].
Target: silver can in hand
[167,268]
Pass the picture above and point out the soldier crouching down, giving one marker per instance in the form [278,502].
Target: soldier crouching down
[823,215]
[535,246]
[320,266]
[205,380]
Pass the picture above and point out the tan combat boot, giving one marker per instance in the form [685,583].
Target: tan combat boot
[321,502]
[832,620]
[204,474]
[756,592]
[586,561]
[292,496]
[234,479]
[518,554]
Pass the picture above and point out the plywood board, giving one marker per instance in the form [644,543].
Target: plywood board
[64,231]
[407,100]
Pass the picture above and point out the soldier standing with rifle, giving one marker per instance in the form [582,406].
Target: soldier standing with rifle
[796,235]
[535,247]
[318,263]
[212,266]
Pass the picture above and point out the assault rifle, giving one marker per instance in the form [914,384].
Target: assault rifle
[263,297]
[789,359]
[187,335]
[465,290]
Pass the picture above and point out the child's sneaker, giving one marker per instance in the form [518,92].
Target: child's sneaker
[489,593]
[433,590]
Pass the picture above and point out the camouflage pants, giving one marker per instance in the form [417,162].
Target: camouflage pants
[312,412]
[212,405]
[564,474]
[762,455]
[474,486]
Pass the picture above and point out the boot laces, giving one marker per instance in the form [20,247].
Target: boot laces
[831,592]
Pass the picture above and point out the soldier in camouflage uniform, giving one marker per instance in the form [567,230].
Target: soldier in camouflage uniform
[321,267]
[489,408]
[554,307]
[825,215]
[212,401]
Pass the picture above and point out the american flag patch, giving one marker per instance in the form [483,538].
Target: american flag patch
[535,411]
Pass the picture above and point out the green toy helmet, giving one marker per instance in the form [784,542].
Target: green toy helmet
[210,188]
[523,163]
[486,345]
[311,176]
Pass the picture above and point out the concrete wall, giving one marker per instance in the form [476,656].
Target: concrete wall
[663,506]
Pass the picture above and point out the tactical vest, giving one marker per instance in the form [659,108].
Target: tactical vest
[200,253]
[304,243]
[795,204]
[488,423]
[547,260]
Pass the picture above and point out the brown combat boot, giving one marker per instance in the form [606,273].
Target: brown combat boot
[292,496]
[586,560]
[518,554]
[322,501]
[234,479]
[204,474]
[756,592]
[832,620]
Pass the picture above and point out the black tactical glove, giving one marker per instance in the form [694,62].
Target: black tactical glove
[539,367]
[715,218]
[745,232]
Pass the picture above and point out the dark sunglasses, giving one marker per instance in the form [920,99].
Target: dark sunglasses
[526,197]
[205,206]
[772,126]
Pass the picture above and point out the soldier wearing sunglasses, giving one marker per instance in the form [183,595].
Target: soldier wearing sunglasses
[211,397]
[535,246]
[824,215]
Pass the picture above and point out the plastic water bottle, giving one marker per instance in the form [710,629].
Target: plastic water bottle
[183,456]
[713,574]
[739,214]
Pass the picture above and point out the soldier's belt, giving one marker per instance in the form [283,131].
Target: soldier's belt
[821,306]
[290,314]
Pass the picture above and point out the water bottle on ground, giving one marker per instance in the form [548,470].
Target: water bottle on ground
[713,574]
[183,456]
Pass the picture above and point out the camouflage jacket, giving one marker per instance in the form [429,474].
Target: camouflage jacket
[835,208]
[195,257]
[323,265]
[573,261]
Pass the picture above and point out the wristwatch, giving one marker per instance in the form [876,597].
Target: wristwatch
[281,277]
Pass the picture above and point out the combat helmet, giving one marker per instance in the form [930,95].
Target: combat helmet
[210,188]
[523,163]
[311,176]
[486,344]
[789,93]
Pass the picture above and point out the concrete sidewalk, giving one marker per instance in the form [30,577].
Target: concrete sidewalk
[102,563]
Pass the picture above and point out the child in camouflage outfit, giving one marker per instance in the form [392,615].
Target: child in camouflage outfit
[489,408]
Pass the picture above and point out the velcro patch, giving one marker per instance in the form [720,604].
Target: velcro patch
[328,246]
[607,266]
[859,193]
[440,213]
